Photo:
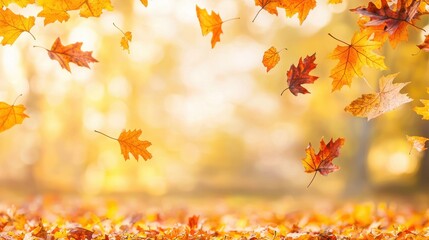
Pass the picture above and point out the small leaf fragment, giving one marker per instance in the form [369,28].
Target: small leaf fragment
[417,142]
[271,58]
[425,45]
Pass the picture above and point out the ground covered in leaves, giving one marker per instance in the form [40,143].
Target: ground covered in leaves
[232,218]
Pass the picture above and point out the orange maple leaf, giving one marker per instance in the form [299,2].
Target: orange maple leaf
[126,39]
[12,25]
[10,115]
[375,104]
[300,74]
[425,45]
[145,2]
[21,3]
[353,57]
[322,161]
[417,143]
[267,5]
[65,54]
[271,58]
[300,7]
[193,222]
[210,23]
[129,143]
[57,10]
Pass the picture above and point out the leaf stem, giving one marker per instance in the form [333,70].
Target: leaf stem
[257,14]
[339,40]
[281,94]
[20,95]
[32,35]
[40,47]
[314,176]
[118,28]
[105,135]
[227,20]
[281,50]
[367,83]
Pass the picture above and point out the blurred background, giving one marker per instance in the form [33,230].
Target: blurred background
[216,120]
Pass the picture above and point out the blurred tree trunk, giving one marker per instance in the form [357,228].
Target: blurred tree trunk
[358,181]
[423,172]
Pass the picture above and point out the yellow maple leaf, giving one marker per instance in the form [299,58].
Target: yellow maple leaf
[126,39]
[424,111]
[57,10]
[417,143]
[10,115]
[375,104]
[210,23]
[271,58]
[21,3]
[129,143]
[353,57]
[335,1]
[300,7]
[12,25]
[145,2]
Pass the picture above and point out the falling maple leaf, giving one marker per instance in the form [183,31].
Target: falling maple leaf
[145,2]
[392,21]
[12,25]
[300,7]
[65,54]
[57,10]
[267,5]
[21,3]
[126,39]
[374,104]
[417,143]
[129,143]
[271,58]
[424,111]
[210,23]
[425,45]
[353,57]
[322,161]
[10,115]
[300,74]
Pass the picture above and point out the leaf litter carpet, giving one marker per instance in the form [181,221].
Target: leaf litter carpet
[52,217]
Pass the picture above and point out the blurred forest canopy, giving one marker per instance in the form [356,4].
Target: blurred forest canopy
[215,118]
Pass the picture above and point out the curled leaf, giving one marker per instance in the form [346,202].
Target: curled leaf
[375,104]
[65,54]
